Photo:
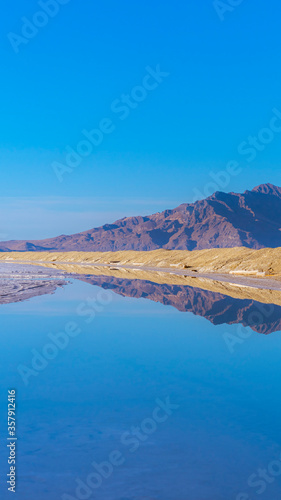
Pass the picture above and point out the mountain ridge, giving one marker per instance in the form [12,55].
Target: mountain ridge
[222,220]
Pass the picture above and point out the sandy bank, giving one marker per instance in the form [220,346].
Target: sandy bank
[239,272]
[240,260]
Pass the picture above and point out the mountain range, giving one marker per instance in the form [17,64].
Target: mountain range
[223,220]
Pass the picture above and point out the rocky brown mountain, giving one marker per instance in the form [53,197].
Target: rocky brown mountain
[223,220]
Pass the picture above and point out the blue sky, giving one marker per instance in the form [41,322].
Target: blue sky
[224,81]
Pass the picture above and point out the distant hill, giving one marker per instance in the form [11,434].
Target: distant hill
[223,220]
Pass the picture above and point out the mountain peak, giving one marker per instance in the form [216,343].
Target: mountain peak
[223,220]
[268,189]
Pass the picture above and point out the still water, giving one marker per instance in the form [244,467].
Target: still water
[125,398]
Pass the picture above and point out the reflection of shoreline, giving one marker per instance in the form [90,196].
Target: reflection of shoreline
[218,307]
[20,284]
[237,288]
[19,290]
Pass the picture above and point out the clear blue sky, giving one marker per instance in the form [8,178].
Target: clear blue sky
[224,80]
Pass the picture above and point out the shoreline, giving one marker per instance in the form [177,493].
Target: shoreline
[238,261]
[241,280]
[261,289]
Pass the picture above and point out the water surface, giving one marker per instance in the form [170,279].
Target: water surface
[99,394]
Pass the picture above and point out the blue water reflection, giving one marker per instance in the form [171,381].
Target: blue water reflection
[91,398]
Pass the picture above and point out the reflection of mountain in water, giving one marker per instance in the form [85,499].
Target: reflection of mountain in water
[216,307]
[25,283]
